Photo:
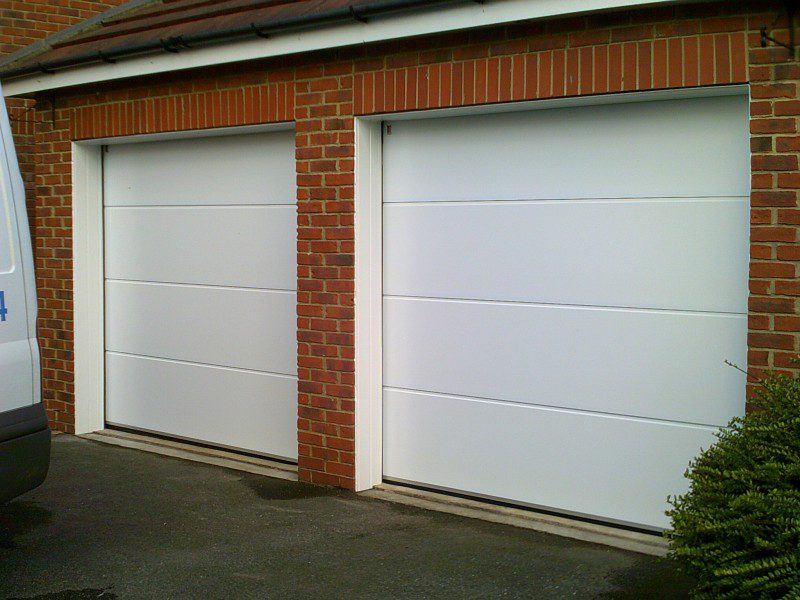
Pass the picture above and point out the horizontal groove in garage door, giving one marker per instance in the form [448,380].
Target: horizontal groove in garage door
[212,206]
[563,305]
[202,285]
[203,364]
[565,200]
[554,408]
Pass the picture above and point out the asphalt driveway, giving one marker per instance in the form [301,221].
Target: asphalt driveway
[118,523]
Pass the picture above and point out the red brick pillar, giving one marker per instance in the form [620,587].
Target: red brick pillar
[325,274]
[52,222]
[774,251]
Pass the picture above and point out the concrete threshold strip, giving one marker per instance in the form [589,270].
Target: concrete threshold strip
[186,451]
[607,535]
[634,541]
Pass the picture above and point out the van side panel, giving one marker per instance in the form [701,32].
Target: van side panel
[19,352]
[24,432]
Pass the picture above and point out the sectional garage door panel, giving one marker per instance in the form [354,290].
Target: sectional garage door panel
[562,288]
[684,257]
[582,463]
[213,403]
[631,150]
[200,261]
[236,169]
[246,329]
[656,364]
[202,245]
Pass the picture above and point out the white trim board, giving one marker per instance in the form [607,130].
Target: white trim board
[423,22]
[88,295]
[368,304]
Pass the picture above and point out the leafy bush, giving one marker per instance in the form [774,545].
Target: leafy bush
[737,530]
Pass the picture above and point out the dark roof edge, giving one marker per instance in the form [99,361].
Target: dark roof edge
[27,52]
[329,17]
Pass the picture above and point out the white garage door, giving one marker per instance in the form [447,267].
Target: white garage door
[562,288]
[200,258]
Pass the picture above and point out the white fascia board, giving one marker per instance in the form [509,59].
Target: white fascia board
[446,18]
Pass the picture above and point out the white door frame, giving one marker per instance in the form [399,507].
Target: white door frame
[88,264]
[368,302]
[369,251]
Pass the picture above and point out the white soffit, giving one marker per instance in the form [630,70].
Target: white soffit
[447,18]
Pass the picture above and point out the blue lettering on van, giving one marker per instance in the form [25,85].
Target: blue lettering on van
[3,309]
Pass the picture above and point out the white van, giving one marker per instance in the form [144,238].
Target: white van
[24,434]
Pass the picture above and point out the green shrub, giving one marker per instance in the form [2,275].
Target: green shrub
[737,530]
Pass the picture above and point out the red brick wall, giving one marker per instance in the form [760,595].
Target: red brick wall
[20,111]
[774,110]
[21,24]
[636,50]
[326,272]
